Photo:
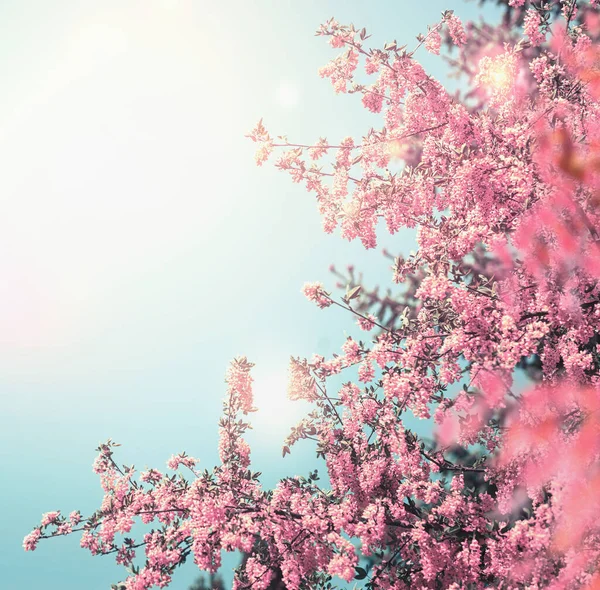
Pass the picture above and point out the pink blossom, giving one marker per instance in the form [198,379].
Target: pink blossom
[501,190]
[50,518]
[175,461]
[31,540]
[531,26]
[239,382]
[433,42]
[456,30]
[301,384]
[315,292]
[367,323]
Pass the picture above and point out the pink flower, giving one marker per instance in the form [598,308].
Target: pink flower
[239,383]
[315,292]
[50,517]
[301,384]
[176,460]
[456,30]
[31,540]
[531,25]
[502,191]
[433,42]
[366,323]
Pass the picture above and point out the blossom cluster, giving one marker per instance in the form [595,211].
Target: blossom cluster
[502,185]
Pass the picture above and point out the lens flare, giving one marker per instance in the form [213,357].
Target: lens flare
[497,75]
[500,76]
[396,149]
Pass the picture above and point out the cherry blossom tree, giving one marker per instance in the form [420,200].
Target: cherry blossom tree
[501,183]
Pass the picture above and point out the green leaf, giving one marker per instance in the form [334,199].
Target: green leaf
[353,293]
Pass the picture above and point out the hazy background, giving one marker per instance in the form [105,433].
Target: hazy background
[141,249]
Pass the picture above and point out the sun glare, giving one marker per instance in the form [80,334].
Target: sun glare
[275,414]
[287,95]
[396,149]
[498,74]
[500,77]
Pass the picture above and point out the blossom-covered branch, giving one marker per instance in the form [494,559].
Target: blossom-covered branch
[502,184]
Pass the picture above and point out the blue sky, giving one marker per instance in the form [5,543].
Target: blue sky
[141,249]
